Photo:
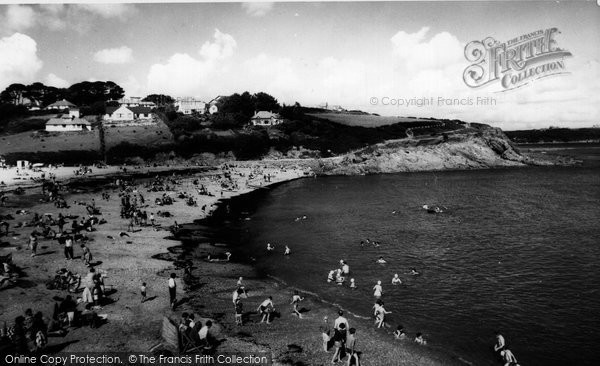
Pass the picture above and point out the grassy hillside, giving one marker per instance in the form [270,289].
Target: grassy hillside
[554,135]
[364,120]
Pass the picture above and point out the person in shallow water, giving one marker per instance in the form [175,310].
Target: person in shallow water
[377,289]
[396,280]
[331,276]
[352,284]
[287,251]
[414,272]
[270,248]
[381,260]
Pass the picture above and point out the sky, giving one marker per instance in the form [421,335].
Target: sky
[380,57]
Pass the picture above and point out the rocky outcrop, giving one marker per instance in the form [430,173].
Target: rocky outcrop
[472,148]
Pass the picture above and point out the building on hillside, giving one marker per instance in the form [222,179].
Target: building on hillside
[136,102]
[123,113]
[266,118]
[212,105]
[68,123]
[190,106]
[61,104]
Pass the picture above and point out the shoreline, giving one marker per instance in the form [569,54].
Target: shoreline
[133,326]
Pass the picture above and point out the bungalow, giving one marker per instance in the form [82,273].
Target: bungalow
[68,124]
[123,113]
[61,104]
[190,106]
[266,118]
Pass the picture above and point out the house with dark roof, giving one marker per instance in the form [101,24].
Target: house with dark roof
[68,123]
[266,118]
[61,104]
[190,106]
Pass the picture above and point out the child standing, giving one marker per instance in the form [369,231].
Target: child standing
[295,301]
[143,291]
[239,310]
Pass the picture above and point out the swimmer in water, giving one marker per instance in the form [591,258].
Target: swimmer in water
[399,333]
[270,248]
[352,284]
[414,272]
[339,279]
[396,280]
[345,267]
[381,260]
[377,289]
[287,250]
[331,276]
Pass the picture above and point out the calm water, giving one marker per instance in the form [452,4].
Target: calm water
[517,250]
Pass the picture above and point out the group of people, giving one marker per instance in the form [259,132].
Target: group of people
[198,333]
[342,338]
[271,248]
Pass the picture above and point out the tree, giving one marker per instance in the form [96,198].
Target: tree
[160,100]
[87,92]
[14,94]
[265,102]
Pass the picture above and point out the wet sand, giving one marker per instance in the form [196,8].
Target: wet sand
[129,261]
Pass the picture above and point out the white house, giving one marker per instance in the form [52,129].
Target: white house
[61,104]
[266,118]
[121,113]
[67,123]
[190,105]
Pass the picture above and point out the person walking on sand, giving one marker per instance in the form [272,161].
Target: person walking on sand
[351,347]
[87,255]
[69,247]
[339,341]
[172,291]
[340,320]
[295,301]
[380,315]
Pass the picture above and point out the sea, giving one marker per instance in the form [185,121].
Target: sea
[515,250]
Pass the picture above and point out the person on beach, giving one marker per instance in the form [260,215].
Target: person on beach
[325,333]
[340,320]
[351,347]
[236,295]
[239,311]
[420,340]
[33,243]
[69,247]
[508,357]
[266,308]
[143,291]
[172,291]
[396,280]
[87,255]
[378,290]
[295,301]
[399,333]
[339,341]
[287,251]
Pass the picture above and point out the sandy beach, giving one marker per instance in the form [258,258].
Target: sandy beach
[127,261]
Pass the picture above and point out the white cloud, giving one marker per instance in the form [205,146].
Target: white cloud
[120,55]
[23,63]
[53,80]
[19,18]
[183,74]
[132,86]
[221,48]
[107,11]
[256,9]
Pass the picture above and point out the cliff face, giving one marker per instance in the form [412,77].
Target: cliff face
[472,148]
